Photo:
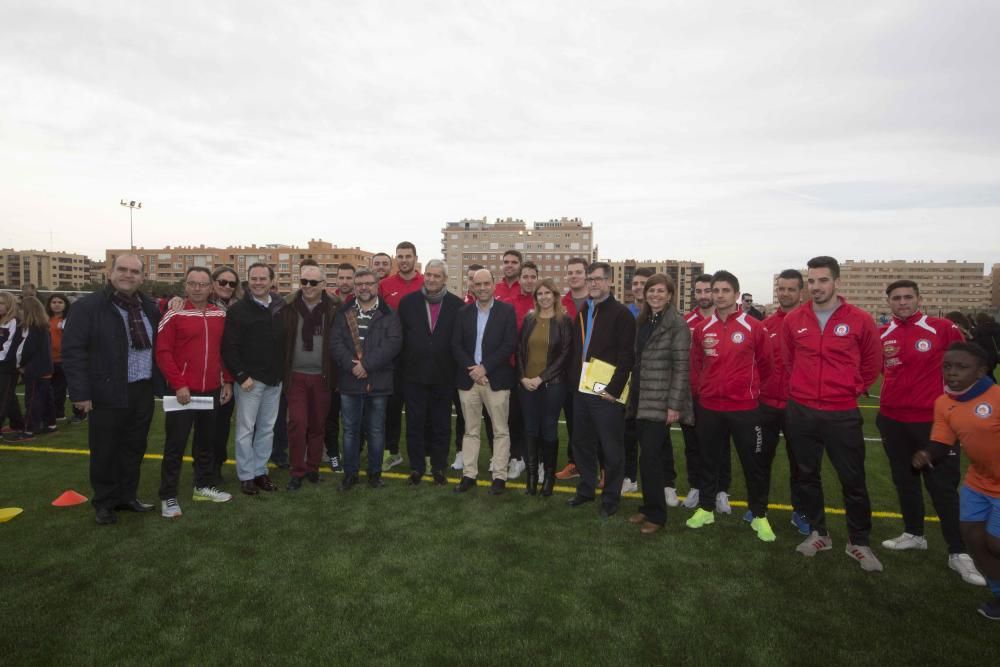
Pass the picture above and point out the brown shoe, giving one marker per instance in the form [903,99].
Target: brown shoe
[264,483]
[648,528]
[637,518]
[248,487]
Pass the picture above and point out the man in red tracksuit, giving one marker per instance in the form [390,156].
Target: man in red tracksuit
[730,358]
[832,354]
[523,300]
[692,448]
[188,353]
[774,393]
[913,346]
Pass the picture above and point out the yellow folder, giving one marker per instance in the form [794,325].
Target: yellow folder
[597,374]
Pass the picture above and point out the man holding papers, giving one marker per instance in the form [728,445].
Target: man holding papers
[603,334]
[188,347]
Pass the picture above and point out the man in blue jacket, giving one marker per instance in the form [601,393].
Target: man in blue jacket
[483,343]
[366,339]
[107,351]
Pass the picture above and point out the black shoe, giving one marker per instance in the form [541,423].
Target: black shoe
[294,484]
[466,484]
[134,506]
[105,516]
[249,488]
[497,487]
[548,485]
[413,479]
[439,478]
[350,481]
[990,610]
[375,481]
[314,478]
[578,500]
[607,512]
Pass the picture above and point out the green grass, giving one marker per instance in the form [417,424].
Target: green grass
[420,575]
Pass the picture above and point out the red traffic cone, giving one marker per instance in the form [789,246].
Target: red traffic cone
[69,498]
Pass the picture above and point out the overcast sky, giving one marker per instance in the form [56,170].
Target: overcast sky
[748,135]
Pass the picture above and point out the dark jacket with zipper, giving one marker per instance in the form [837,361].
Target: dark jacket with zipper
[253,343]
[612,341]
[499,341]
[290,317]
[382,343]
[426,356]
[560,346]
[36,355]
[95,350]
[661,371]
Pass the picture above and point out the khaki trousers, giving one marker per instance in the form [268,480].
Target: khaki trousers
[498,407]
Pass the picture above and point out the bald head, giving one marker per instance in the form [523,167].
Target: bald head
[482,286]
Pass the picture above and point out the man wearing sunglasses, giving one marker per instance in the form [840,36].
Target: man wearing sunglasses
[746,300]
[309,378]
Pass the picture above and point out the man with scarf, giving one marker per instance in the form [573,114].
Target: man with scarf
[309,376]
[107,353]
[428,371]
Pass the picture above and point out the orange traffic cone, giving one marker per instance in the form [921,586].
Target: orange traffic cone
[69,498]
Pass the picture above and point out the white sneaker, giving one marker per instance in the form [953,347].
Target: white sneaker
[815,543]
[864,556]
[458,464]
[628,486]
[962,563]
[691,500]
[515,468]
[541,471]
[391,461]
[670,493]
[722,503]
[427,466]
[169,509]
[906,541]
[213,494]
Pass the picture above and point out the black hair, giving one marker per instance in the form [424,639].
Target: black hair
[971,348]
[792,274]
[825,262]
[902,283]
[726,277]
[255,265]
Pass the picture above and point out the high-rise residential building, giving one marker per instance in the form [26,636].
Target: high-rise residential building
[995,286]
[169,264]
[944,286]
[548,244]
[682,272]
[44,269]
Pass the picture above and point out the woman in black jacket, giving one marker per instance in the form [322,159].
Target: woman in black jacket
[543,349]
[10,340]
[34,360]
[661,394]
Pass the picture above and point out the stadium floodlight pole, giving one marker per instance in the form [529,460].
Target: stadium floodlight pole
[131,205]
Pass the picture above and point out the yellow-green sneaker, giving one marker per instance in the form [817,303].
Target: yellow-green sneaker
[700,518]
[762,526]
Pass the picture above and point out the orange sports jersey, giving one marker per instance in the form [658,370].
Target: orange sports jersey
[976,423]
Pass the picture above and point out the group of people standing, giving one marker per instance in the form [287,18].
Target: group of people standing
[517,354]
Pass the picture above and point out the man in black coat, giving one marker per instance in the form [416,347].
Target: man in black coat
[483,343]
[107,351]
[428,370]
[604,329]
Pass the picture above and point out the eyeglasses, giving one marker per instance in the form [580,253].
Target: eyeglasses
[596,280]
[364,284]
[191,283]
[227,283]
[311,283]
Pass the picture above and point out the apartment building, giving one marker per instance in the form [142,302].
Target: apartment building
[548,244]
[682,272]
[42,268]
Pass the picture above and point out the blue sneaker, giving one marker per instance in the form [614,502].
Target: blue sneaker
[800,523]
[748,517]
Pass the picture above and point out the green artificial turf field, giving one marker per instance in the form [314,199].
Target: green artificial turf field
[420,575]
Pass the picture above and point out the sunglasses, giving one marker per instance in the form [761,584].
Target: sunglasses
[227,283]
[311,283]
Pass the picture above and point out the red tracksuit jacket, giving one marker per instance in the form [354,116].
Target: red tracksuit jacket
[188,348]
[774,392]
[828,370]
[729,360]
[392,289]
[523,304]
[911,365]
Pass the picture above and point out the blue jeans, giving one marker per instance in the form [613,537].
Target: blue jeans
[354,408]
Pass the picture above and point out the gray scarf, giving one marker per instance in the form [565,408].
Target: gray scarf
[433,298]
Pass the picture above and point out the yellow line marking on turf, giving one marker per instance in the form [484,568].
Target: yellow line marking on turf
[482,483]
